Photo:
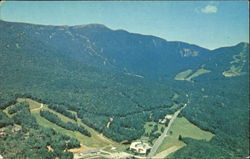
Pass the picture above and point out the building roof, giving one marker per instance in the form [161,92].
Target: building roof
[140,145]
[168,116]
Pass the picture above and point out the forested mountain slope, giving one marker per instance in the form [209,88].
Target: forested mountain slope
[221,107]
[32,68]
[119,50]
[105,74]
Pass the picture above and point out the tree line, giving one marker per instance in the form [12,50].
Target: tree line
[67,125]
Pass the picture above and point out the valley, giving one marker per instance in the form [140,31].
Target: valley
[167,143]
[103,146]
[66,92]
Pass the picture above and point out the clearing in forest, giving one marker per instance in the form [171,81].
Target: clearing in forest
[183,127]
[96,139]
[237,64]
[152,128]
[198,73]
[33,105]
[188,76]
[183,75]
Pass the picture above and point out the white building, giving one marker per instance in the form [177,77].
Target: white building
[168,117]
[140,147]
[162,121]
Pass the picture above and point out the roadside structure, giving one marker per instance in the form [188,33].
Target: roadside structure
[165,119]
[140,147]
[169,117]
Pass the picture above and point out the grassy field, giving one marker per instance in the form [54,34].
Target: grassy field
[88,141]
[183,75]
[183,127]
[33,104]
[198,73]
[96,140]
[188,75]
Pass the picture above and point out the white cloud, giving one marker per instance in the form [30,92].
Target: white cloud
[209,9]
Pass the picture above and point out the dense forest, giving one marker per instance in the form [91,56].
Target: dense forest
[29,139]
[63,110]
[221,110]
[17,107]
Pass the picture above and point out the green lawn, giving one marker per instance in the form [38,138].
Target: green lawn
[183,127]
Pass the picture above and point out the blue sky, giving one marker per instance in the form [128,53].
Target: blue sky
[205,23]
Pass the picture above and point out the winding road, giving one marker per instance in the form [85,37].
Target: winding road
[159,141]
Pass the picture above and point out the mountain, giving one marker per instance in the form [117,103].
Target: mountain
[128,80]
[131,53]
[32,67]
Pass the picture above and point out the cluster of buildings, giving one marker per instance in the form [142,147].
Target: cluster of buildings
[167,117]
[140,147]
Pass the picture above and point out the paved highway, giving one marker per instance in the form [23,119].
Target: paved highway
[159,141]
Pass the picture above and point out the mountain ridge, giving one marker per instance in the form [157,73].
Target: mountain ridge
[134,53]
[92,46]
[104,26]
